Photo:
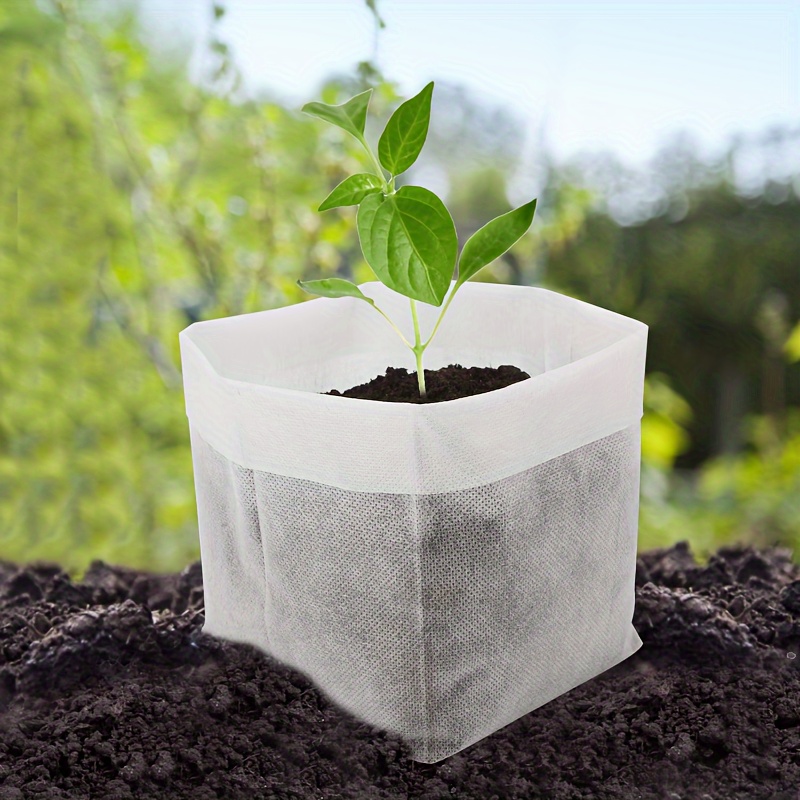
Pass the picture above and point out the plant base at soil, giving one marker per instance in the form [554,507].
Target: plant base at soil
[399,385]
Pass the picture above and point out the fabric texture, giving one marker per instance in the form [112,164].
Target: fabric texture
[469,594]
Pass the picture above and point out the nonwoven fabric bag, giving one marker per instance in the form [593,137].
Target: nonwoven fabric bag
[438,570]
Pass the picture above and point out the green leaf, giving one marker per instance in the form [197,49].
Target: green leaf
[350,116]
[334,287]
[493,239]
[351,191]
[405,133]
[409,240]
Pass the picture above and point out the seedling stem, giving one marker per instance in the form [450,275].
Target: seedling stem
[376,165]
[418,349]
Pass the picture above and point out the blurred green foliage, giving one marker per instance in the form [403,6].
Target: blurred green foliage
[792,345]
[718,288]
[134,201]
[711,263]
[753,497]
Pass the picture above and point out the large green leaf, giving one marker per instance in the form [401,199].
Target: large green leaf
[493,239]
[405,133]
[334,287]
[351,191]
[350,116]
[409,240]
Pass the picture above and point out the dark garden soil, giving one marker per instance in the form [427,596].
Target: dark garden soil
[108,689]
[399,385]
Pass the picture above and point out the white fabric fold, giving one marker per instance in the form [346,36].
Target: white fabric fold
[254,388]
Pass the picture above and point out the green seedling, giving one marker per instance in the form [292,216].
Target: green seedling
[407,234]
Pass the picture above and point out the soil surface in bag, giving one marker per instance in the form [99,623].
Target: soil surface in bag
[108,689]
[399,385]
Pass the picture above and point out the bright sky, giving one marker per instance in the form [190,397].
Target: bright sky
[602,75]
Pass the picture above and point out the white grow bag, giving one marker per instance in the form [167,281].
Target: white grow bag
[437,570]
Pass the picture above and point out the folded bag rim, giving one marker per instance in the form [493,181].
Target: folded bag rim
[364,445]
